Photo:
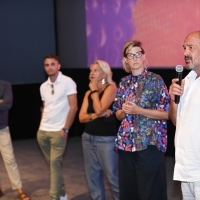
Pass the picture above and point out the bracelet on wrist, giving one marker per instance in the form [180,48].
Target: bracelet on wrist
[94,91]
[172,100]
[90,116]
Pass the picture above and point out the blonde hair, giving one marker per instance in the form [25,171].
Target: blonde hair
[127,46]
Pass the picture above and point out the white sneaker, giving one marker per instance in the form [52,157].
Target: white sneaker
[64,198]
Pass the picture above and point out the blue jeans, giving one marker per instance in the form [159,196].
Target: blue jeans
[100,159]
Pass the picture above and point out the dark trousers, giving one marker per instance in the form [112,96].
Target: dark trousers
[142,175]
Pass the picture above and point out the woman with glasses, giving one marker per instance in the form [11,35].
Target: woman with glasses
[141,104]
[100,157]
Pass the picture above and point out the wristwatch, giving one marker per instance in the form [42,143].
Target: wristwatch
[66,130]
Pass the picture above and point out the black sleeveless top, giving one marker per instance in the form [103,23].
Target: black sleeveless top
[101,126]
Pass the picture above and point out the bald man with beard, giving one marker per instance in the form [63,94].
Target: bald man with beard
[186,117]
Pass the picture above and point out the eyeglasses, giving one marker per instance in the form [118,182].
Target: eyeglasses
[52,89]
[130,56]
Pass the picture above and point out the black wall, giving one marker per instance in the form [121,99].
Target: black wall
[71,33]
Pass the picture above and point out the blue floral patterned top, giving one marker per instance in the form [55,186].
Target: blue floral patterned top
[136,132]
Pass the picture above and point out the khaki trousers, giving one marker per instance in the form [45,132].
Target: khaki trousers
[53,147]
[6,150]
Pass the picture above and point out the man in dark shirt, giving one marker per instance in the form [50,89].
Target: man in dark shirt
[6,148]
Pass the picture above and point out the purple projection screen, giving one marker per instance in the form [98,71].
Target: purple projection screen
[160,25]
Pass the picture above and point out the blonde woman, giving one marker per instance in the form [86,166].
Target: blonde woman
[100,158]
[141,104]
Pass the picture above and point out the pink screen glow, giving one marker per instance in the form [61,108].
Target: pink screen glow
[160,25]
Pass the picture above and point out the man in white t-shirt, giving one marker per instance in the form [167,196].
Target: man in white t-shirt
[186,117]
[59,98]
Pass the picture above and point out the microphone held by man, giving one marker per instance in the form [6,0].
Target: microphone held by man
[179,70]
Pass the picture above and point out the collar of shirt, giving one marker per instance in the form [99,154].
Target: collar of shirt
[138,77]
[192,76]
[57,79]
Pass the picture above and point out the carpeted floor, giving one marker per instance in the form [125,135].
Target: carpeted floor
[35,173]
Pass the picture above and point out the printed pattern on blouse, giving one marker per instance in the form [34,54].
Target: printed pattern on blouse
[136,132]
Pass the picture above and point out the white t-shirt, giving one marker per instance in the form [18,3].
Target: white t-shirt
[187,137]
[56,106]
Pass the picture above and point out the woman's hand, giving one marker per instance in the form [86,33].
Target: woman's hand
[93,85]
[107,113]
[131,108]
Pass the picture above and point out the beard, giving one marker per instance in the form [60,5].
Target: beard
[191,63]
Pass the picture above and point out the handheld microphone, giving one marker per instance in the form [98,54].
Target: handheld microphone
[179,70]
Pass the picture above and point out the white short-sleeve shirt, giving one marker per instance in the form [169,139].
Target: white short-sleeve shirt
[56,105]
[187,137]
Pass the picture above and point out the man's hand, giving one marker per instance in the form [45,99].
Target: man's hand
[1,100]
[63,134]
[176,89]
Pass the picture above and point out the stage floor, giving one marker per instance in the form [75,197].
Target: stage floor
[35,173]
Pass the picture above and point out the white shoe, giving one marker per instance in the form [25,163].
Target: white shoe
[64,198]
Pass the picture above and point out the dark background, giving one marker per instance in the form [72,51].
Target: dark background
[31,29]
